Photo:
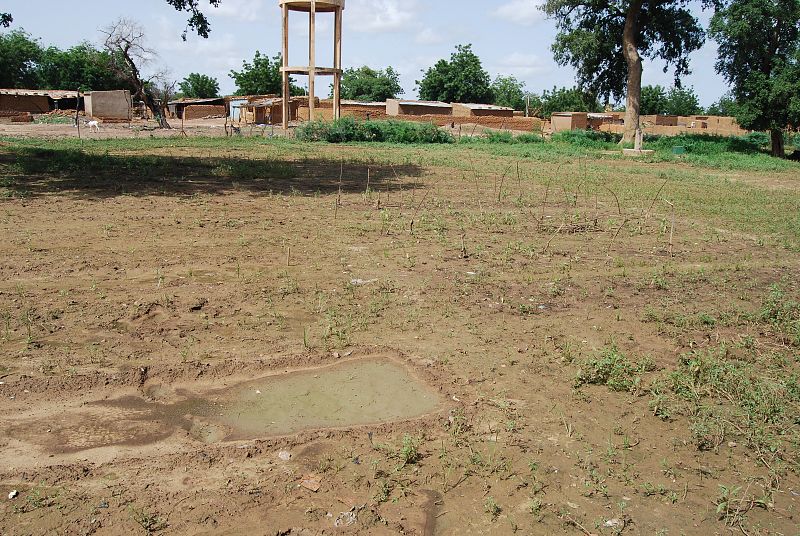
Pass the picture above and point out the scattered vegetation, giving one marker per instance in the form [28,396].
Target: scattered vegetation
[348,129]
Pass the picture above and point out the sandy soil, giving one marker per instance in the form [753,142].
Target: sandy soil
[154,288]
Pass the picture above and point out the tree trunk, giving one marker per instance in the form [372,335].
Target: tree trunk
[155,108]
[634,61]
[777,143]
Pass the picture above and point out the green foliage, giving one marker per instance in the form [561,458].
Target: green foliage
[199,86]
[705,144]
[590,39]
[197,19]
[677,101]
[653,100]
[6,19]
[19,55]
[783,314]
[716,391]
[81,67]
[682,101]
[563,100]
[24,63]
[612,369]
[587,138]
[348,129]
[725,106]
[409,452]
[370,85]
[261,77]
[759,56]
[462,79]
[508,92]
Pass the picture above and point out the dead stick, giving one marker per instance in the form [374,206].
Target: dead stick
[547,246]
[655,199]
[619,207]
[414,217]
[611,244]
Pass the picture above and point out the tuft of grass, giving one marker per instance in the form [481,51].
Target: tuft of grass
[613,369]
[726,397]
[783,314]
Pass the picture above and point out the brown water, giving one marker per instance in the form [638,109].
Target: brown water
[350,393]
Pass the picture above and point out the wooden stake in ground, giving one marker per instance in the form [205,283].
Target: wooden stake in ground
[77,111]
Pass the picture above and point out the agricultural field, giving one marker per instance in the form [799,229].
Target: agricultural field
[493,336]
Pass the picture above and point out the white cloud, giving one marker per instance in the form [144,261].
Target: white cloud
[523,65]
[372,16]
[244,10]
[523,12]
[429,36]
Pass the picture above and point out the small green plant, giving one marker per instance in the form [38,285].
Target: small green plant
[612,369]
[491,507]
[149,521]
[409,452]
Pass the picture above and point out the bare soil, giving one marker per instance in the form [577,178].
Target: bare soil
[123,297]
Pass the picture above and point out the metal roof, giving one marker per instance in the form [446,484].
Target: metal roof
[363,103]
[432,104]
[483,106]
[188,101]
[55,94]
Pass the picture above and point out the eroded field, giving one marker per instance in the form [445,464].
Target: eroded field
[613,345]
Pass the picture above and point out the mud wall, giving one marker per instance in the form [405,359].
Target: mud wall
[199,111]
[108,104]
[25,103]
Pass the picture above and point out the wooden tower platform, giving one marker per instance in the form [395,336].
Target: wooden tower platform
[312,7]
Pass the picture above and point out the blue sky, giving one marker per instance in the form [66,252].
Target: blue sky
[512,37]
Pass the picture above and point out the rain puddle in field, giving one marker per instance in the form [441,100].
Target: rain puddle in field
[351,393]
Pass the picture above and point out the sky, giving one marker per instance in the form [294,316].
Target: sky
[512,37]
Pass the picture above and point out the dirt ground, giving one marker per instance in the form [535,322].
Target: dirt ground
[137,277]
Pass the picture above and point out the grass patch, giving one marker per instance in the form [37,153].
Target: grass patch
[613,369]
[726,397]
[348,129]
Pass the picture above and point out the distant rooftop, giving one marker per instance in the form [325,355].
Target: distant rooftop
[55,94]
[186,100]
[363,103]
[432,104]
[483,106]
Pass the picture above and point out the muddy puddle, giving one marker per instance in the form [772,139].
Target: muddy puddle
[353,393]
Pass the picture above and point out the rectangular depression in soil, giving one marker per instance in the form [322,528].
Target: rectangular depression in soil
[348,394]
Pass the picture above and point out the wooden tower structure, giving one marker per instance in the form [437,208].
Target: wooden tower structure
[312,7]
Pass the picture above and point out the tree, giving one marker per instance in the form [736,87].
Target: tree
[725,106]
[462,79]
[509,92]
[6,19]
[653,100]
[125,42]
[369,85]
[759,56]
[19,54]
[199,86]
[682,101]
[563,100]
[262,77]
[605,41]
[81,67]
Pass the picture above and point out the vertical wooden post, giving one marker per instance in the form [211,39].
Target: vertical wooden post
[285,60]
[312,57]
[337,63]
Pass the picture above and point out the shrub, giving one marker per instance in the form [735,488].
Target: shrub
[587,138]
[348,129]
